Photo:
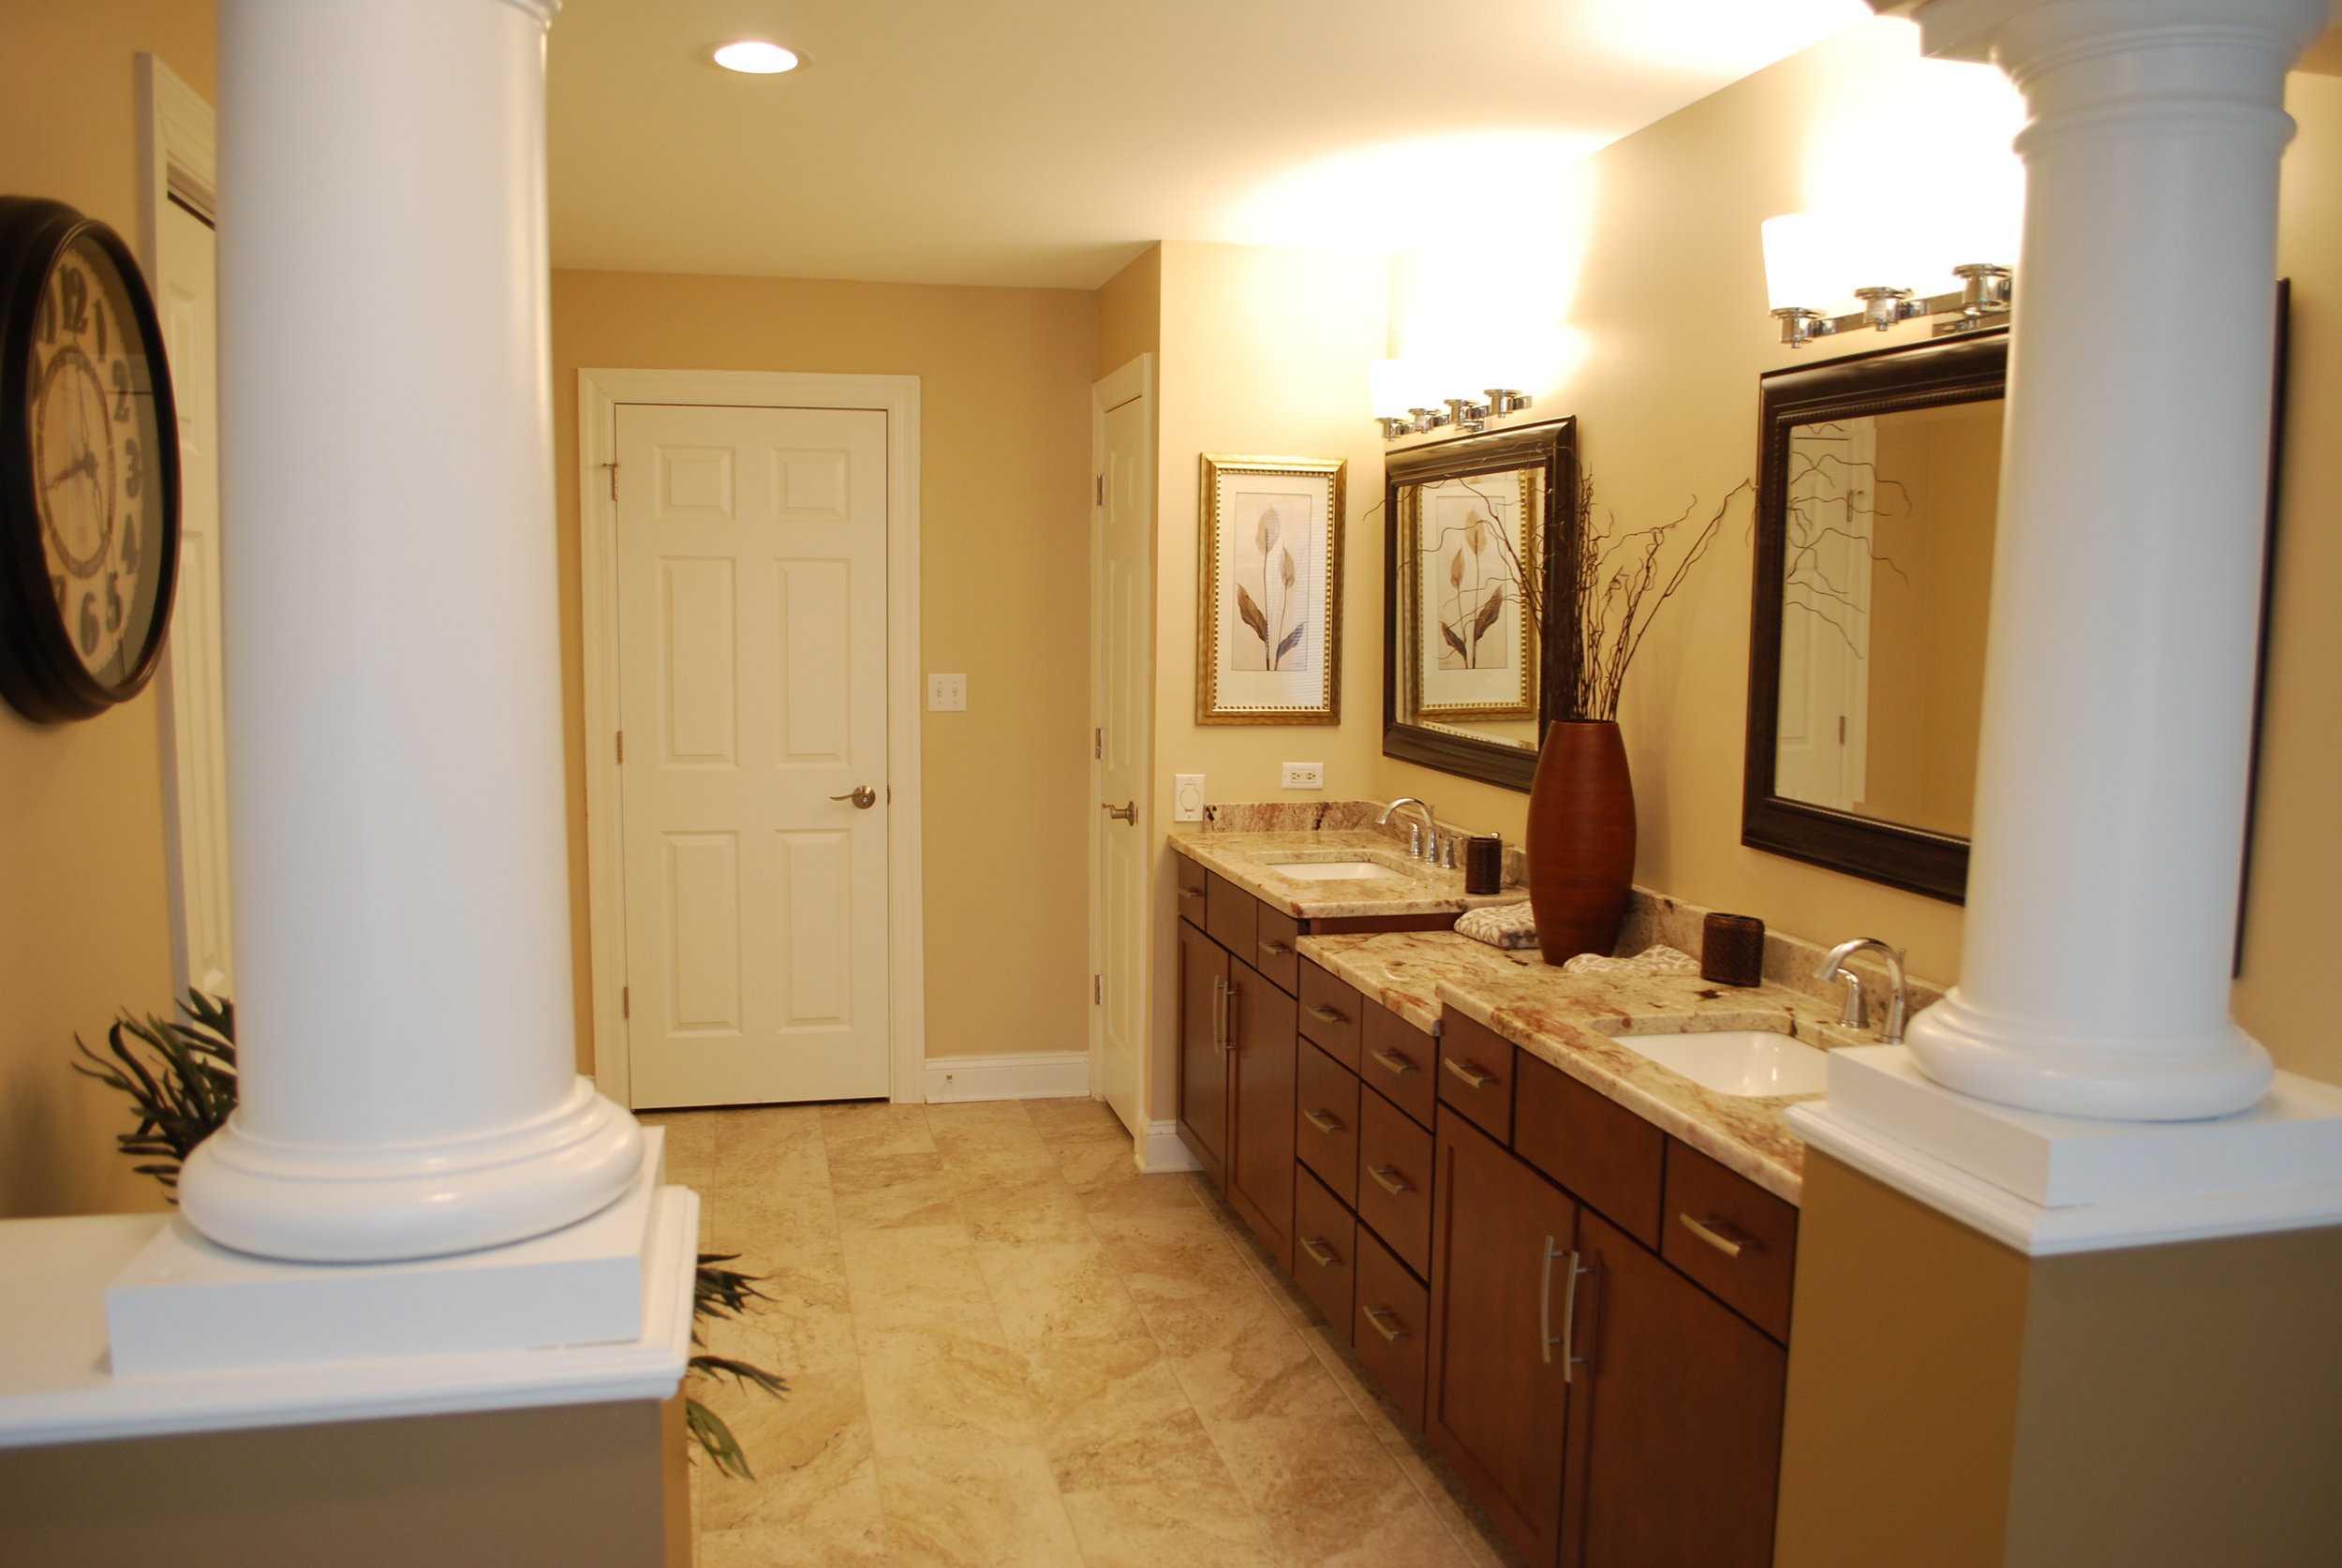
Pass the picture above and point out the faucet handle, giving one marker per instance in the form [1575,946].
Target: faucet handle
[1856,1013]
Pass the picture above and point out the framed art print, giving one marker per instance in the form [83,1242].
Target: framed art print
[1474,542]
[1270,616]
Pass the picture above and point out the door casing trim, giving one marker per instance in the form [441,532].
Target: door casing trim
[599,395]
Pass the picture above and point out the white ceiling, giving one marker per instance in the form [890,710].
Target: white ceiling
[1043,142]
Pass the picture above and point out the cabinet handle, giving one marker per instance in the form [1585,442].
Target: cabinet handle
[1389,1180]
[1712,1232]
[1393,1061]
[1233,1014]
[1323,1122]
[1467,1072]
[1320,1254]
[1191,893]
[1569,1311]
[1392,1331]
[1276,950]
[1219,1011]
[1325,1014]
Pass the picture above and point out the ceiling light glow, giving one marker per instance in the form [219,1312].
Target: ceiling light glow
[754,58]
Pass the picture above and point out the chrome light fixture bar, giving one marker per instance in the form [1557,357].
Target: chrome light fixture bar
[1984,301]
[1470,415]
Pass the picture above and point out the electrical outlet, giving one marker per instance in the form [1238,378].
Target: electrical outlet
[1305,776]
[1187,797]
[947,694]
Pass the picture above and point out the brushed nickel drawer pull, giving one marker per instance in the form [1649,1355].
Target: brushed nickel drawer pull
[1393,1061]
[1320,1254]
[1324,1122]
[1712,1235]
[1325,1014]
[1467,1072]
[1235,997]
[1276,950]
[1389,1180]
[1392,1331]
[1219,1011]
[1191,893]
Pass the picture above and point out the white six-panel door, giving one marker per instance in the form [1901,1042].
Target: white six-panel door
[1122,632]
[753,603]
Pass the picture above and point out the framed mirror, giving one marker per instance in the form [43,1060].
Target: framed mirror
[1468,683]
[1877,493]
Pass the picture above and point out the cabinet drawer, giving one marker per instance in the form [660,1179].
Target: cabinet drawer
[1325,1250]
[1389,1332]
[1475,1074]
[1398,1059]
[1591,1145]
[1327,1134]
[1331,1011]
[1273,936]
[1190,878]
[1731,1235]
[1395,1180]
[1230,914]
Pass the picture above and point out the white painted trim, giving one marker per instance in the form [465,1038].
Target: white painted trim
[1135,380]
[178,150]
[1162,1150]
[599,395]
[1024,1075]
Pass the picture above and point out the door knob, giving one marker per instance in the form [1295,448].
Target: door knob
[1127,811]
[864,797]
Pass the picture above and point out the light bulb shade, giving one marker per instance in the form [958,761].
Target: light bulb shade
[1804,260]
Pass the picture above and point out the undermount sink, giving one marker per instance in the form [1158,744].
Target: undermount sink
[1330,870]
[1749,1062]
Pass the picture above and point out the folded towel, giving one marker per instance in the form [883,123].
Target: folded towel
[1510,927]
[1650,960]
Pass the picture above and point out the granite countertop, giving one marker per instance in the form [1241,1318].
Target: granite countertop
[1412,888]
[1573,1022]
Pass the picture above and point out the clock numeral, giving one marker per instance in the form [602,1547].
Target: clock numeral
[74,286]
[134,475]
[129,544]
[89,623]
[122,386]
[100,313]
[113,602]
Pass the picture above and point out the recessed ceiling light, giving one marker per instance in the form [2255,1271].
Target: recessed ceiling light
[756,58]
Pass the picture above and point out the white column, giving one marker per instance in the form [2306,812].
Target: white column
[2110,789]
[393,654]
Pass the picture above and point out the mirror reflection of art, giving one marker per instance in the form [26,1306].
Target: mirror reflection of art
[1270,645]
[1474,545]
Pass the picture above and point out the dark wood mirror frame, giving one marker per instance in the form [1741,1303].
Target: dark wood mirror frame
[1553,447]
[1928,376]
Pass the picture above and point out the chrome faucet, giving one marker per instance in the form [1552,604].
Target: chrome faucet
[1858,1011]
[1422,842]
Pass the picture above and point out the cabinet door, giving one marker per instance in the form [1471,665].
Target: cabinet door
[1261,1096]
[1502,1243]
[1203,1053]
[1675,1418]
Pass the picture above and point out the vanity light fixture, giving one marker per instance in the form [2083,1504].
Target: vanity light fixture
[1800,256]
[755,57]
[1402,409]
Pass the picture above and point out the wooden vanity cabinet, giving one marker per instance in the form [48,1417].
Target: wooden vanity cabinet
[1192,885]
[1674,1442]
[1497,1404]
[1328,1128]
[1231,915]
[1263,1058]
[1325,1250]
[1476,1074]
[1204,1051]
[1390,1330]
[1274,933]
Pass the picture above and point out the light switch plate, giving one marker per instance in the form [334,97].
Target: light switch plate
[1305,776]
[1187,797]
[947,694]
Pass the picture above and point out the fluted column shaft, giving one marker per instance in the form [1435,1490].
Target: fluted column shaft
[392,668]
[2112,771]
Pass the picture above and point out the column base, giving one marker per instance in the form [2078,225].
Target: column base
[311,1204]
[1991,1056]
[2050,1184]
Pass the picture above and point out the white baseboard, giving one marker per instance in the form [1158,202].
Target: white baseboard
[1029,1075]
[1161,1149]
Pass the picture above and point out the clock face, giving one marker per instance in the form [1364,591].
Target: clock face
[96,436]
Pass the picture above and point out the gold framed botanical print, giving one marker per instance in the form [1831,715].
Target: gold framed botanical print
[1268,649]
[1472,541]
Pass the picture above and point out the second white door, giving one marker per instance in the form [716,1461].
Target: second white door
[753,776]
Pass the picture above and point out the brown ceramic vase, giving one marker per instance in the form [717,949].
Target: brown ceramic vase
[1581,838]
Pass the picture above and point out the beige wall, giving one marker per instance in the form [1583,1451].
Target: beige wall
[1262,352]
[84,921]
[1670,296]
[1005,378]
[1129,312]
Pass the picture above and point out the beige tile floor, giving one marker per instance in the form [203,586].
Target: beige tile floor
[1005,1347]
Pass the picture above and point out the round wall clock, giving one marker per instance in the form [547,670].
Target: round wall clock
[89,466]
